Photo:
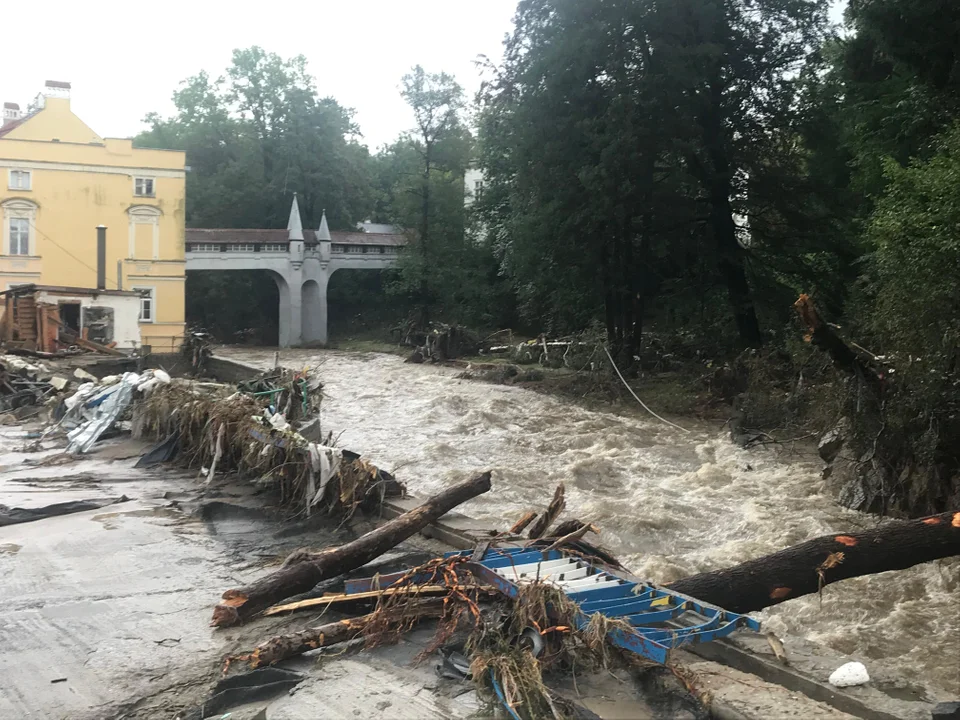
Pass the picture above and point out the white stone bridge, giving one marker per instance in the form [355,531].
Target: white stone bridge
[299,261]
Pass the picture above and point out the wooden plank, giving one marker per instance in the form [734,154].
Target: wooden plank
[372,594]
[90,344]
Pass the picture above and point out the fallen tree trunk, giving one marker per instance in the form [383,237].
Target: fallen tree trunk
[807,567]
[822,335]
[243,603]
[282,647]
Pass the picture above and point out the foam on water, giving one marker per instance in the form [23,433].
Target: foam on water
[669,503]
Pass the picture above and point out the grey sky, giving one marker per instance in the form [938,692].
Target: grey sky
[125,59]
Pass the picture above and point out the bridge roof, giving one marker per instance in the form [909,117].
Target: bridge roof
[279,237]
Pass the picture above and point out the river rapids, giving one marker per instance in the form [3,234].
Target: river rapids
[669,503]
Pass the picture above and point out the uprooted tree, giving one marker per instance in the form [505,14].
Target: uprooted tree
[904,417]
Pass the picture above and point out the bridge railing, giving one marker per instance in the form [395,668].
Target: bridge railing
[271,248]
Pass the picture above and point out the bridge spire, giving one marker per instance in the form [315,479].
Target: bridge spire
[295,225]
[323,234]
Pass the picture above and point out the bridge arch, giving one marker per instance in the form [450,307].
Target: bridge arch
[299,261]
[314,311]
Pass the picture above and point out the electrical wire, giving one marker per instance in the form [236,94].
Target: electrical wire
[61,247]
[663,420]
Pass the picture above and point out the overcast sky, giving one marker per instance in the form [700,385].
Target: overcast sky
[125,59]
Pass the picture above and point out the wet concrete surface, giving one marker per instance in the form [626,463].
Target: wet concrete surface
[107,610]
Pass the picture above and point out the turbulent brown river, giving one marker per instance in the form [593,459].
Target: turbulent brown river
[669,503]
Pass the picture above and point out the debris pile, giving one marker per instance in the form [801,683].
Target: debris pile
[438,342]
[506,638]
[266,431]
[96,406]
[569,352]
[196,349]
[25,387]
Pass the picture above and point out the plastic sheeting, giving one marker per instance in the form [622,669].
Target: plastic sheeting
[100,412]
[324,464]
[93,409]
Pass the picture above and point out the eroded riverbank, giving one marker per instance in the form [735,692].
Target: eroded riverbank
[670,503]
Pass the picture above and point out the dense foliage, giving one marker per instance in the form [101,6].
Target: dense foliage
[657,169]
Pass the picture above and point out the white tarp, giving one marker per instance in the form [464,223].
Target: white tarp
[100,412]
[324,464]
[95,408]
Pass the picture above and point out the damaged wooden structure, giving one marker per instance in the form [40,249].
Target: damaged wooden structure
[51,319]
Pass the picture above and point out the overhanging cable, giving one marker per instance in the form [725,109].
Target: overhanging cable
[89,267]
[642,404]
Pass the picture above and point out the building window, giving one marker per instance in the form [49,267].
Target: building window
[19,227]
[203,247]
[274,248]
[355,249]
[241,247]
[143,187]
[19,236]
[477,189]
[19,180]
[338,248]
[146,304]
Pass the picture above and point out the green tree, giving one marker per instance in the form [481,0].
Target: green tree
[254,137]
[258,134]
[734,71]
[636,147]
[423,191]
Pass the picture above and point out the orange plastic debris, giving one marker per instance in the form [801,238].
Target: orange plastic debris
[846,540]
[780,593]
[932,521]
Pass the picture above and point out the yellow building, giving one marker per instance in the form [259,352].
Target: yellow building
[59,180]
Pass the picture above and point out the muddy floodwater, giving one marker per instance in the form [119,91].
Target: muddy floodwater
[669,503]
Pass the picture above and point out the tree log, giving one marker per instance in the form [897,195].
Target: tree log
[807,567]
[241,604]
[282,647]
[822,335]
